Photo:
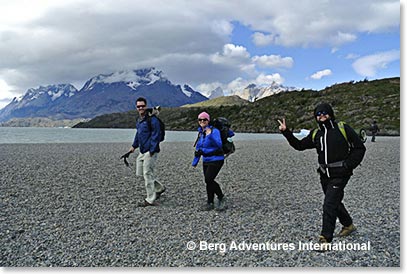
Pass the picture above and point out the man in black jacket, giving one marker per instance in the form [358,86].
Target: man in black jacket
[340,150]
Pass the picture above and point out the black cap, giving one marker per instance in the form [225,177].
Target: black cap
[324,107]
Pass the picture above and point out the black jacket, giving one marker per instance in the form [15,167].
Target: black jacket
[332,147]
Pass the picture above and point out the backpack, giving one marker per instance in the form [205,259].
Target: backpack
[223,125]
[162,126]
[341,125]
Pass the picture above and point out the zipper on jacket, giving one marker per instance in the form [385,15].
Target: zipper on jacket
[322,144]
[326,150]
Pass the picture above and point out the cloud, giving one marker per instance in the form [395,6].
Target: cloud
[222,27]
[322,73]
[241,83]
[261,39]
[53,41]
[231,54]
[6,93]
[342,38]
[352,56]
[266,80]
[330,23]
[273,61]
[370,64]
[207,88]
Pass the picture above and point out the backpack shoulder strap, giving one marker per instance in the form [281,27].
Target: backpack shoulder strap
[341,126]
[314,133]
[197,138]
[148,118]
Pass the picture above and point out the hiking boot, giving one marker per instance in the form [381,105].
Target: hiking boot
[323,244]
[346,230]
[158,194]
[208,207]
[221,206]
[146,204]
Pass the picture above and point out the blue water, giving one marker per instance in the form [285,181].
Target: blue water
[10,135]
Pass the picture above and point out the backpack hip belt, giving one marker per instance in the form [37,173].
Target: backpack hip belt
[334,164]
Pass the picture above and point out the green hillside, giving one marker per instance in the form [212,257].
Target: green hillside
[221,101]
[357,103]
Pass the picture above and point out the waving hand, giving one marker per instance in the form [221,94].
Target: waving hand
[282,126]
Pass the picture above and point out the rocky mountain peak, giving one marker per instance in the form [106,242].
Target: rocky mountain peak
[132,78]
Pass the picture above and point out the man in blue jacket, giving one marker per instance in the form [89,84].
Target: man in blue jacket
[147,139]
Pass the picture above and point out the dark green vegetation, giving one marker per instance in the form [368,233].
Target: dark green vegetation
[356,103]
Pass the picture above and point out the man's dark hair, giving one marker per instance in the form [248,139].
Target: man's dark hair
[142,99]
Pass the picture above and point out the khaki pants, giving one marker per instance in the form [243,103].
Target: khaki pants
[145,167]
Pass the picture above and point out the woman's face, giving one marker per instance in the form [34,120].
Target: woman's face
[203,122]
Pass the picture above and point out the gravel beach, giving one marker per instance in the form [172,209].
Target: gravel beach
[76,205]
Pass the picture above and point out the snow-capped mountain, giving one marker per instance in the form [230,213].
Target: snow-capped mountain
[218,92]
[104,93]
[132,78]
[253,92]
[36,100]
[46,94]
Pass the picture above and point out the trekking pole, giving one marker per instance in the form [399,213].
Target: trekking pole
[125,156]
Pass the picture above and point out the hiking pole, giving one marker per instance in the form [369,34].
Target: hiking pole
[125,156]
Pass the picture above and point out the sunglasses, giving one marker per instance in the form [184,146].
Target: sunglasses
[202,120]
[319,113]
[141,106]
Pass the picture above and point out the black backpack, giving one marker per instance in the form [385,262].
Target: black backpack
[162,126]
[223,125]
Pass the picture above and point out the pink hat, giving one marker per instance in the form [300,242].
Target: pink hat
[204,115]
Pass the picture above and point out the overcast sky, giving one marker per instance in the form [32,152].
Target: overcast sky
[206,44]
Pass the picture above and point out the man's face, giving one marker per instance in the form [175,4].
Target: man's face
[141,107]
[322,116]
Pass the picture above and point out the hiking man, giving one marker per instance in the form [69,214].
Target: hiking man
[337,157]
[375,129]
[147,139]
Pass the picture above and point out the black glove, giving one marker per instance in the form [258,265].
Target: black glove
[125,156]
[198,153]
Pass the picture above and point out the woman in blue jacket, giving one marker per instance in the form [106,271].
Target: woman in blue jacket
[209,146]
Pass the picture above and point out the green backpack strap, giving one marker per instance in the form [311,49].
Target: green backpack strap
[343,131]
[341,126]
[314,133]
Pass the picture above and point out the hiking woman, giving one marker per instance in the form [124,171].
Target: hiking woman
[209,146]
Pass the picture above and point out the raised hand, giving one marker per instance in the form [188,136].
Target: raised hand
[282,126]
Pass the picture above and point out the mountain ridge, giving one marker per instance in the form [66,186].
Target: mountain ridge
[356,103]
[102,94]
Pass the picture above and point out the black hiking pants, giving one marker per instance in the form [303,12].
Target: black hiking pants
[211,170]
[374,136]
[333,207]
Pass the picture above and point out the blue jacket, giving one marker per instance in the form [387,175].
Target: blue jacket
[208,144]
[146,140]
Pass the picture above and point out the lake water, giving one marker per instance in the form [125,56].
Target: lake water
[10,135]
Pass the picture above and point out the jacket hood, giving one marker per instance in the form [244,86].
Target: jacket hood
[324,107]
